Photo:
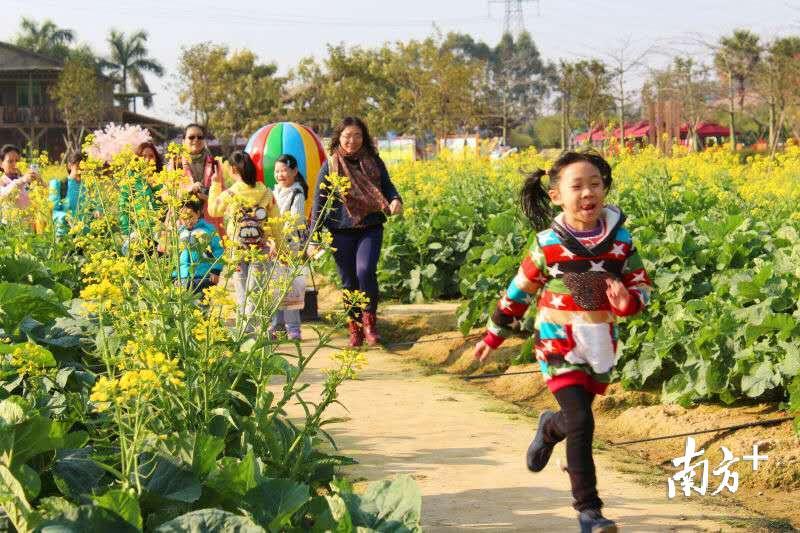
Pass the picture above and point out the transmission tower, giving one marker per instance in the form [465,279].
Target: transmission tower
[514,21]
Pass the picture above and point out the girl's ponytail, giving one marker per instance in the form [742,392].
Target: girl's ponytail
[244,167]
[535,200]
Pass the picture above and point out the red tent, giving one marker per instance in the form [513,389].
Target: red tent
[641,129]
[707,129]
[596,134]
[634,130]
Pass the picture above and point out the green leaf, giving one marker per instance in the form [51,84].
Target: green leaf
[19,301]
[124,503]
[794,395]
[14,503]
[13,410]
[204,456]
[330,514]
[234,477]
[29,479]
[87,518]
[273,502]
[387,506]
[75,473]
[210,521]
[34,436]
[164,479]
[761,378]
[790,364]
[55,506]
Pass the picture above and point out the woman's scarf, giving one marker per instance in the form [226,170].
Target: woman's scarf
[364,196]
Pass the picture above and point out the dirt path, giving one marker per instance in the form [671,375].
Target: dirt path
[468,459]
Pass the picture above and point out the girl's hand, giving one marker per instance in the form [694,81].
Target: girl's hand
[482,351]
[618,295]
[396,207]
[214,278]
[216,175]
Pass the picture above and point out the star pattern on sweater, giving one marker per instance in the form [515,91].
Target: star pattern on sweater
[554,270]
[618,250]
[565,252]
[547,346]
[506,303]
[557,301]
[527,299]
[640,277]
[597,266]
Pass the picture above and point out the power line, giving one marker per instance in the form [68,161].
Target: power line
[168,14]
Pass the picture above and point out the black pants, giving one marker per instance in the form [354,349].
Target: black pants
[356,256]
[575,422]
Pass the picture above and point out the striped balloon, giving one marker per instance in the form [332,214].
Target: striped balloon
[273,140]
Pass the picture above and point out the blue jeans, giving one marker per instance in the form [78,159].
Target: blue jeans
[289,318]
[356,256]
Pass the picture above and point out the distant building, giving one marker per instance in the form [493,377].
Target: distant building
[28,115]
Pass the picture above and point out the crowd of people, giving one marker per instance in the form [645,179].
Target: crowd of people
[246,212]
[582,272]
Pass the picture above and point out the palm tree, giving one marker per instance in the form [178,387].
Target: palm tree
[46,38]
[736,59]
[129,61]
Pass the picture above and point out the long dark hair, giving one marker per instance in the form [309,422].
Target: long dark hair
[369,142]
[243,165]
[290,161]
[144,146]
[534,198]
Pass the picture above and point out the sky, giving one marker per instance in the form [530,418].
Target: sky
[284,32]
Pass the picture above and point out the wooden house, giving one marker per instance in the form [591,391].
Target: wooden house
[28,114]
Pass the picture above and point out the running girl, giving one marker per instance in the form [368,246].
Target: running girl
[584,272]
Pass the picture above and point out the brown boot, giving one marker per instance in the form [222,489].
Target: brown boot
[371,330]
[356,333]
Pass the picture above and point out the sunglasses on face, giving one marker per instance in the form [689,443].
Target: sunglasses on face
[195,137]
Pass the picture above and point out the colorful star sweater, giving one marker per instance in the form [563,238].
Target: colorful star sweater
[575,324]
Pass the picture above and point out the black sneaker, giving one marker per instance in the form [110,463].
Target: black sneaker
[539,452]
[593,521]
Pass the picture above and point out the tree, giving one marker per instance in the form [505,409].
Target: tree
[247,95]
[517,80]
[435,88]
[547,131]
[688,84]
[622,62]
[416,87]
[735,60]
[356,84]
[129,61]
[47,38]
[303,98]
[585,95]
[777,81]
[197,78]
[78,93]
[231,93]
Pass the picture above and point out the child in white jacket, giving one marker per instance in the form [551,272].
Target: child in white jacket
[290,194]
